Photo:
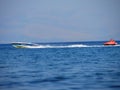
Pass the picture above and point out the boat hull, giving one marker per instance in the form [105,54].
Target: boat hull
[19,46]
[109,44]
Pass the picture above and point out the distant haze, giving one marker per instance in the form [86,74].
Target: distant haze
[59,20]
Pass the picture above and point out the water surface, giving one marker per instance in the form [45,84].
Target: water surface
[61,66]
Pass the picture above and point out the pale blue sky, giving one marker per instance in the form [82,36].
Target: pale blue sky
[59,20]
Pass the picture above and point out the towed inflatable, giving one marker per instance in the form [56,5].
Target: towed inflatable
[111,42]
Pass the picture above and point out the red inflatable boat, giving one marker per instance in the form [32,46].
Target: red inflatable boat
[111,42]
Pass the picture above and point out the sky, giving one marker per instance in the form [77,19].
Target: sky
[59,20]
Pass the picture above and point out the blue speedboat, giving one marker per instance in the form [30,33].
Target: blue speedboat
[24,45]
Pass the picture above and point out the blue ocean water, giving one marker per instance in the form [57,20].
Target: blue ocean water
[60,66]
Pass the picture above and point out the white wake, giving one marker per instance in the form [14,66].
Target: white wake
[69,46]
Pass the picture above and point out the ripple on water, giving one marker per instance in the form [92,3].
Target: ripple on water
[52,80]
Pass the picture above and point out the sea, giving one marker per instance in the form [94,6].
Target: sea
[60,66]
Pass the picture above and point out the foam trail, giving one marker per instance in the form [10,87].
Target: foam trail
[58,46]
[69,46]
